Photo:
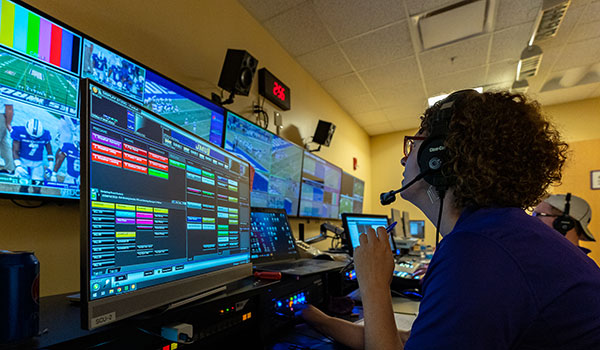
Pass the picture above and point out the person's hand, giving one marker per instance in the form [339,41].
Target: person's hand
[313,316]
[373,260]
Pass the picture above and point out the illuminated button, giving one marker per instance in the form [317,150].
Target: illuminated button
[174,346]
[133,287]
[111,291]
[96,286]
[119,290]
[279,304]
[126,288]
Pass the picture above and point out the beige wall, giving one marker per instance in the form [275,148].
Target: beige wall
[579,123]
[185,40]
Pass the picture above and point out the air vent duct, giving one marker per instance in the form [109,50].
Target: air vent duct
[531,57]
[552,15]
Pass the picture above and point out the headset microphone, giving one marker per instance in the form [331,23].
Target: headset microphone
[389,197]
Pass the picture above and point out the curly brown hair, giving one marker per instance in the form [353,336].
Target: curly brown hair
[502,152]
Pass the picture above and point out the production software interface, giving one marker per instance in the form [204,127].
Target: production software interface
[271,235]
[351,194]
[164,204]
[321,182]
[358,225]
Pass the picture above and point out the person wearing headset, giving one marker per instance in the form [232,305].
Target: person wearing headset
[569,215]
[499,279]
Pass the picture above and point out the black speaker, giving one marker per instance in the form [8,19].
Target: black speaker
[323,133]
[237,72]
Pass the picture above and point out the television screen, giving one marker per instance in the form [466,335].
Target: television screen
[277,162]
[39,91]
[112,70]
[321,183]
[351,194]
[184,108]
[166,214]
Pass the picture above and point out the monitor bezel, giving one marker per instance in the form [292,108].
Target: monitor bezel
[337,217]
[295,215]
[144,299]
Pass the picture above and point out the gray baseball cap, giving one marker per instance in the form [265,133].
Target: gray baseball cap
[579,210]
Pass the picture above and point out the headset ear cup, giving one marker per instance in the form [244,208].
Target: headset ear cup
[431,158]
[563,224]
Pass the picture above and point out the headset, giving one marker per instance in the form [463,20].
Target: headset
[564,223]
[432,154]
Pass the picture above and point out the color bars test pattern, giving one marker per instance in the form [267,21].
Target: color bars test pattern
[115,153]
[27,32]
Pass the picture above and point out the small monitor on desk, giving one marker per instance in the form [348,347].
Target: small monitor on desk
[417,228]
[165,214]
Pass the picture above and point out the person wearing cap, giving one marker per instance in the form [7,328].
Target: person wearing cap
[574,224]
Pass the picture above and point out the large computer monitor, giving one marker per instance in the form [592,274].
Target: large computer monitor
[184,107]
[321,183]
[277,162]
[165,214]
[351,194]
[39,91]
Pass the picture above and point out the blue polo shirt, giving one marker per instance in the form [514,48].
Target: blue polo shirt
[504,280]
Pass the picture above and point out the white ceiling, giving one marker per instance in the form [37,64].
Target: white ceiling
[365,54]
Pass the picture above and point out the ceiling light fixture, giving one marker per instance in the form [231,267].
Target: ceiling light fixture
[434,99]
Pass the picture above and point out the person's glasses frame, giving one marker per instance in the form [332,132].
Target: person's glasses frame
[409,143]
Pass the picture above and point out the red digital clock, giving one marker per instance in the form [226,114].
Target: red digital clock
[273,89]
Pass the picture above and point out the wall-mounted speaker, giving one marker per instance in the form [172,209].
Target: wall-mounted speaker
[237,72]
[323,133]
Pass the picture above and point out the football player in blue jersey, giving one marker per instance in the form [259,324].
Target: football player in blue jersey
[70,152]
[29,142]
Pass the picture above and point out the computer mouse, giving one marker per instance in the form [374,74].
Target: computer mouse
[323,257]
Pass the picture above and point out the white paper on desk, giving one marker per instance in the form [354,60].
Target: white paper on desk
[403,321]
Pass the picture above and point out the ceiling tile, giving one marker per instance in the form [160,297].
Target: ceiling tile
[510,42]
[358,104]
[457,81]
[501,72]
[412,111]
[344,87]
[391,74]
[416,7]
[406,124]
[370,118]
[265,9]
[578,54]
[378,129]
[287,26]
[566,95]
[592,13]
[585,31]
[455,57]
[513,12]
[346,19]
[379,47]
[407,94]
[325,63]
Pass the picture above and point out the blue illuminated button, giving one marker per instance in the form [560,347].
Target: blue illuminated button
[96,286]
[279,304]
